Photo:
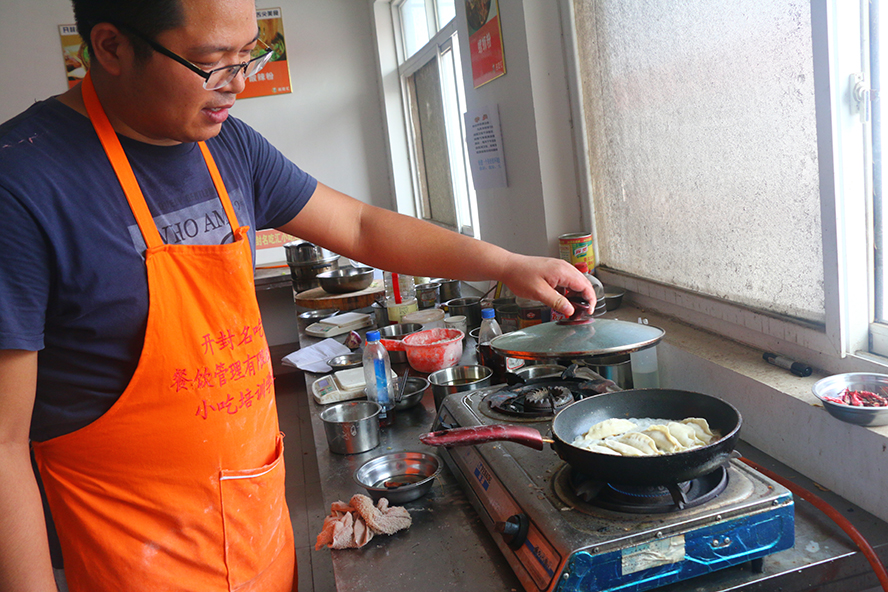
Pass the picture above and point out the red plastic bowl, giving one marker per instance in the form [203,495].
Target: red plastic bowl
[433,349]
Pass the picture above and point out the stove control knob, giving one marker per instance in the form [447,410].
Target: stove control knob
[514,530]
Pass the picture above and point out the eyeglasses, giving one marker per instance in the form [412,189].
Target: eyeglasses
[219,77]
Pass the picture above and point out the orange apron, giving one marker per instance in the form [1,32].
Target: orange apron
[180,485]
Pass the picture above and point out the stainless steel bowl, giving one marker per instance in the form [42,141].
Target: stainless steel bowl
[413,393]
[346,361]
[346,279]
[834,386]
[458,379]
[397,333]
[312,316]
[540,371]
[399,476]
[613,297]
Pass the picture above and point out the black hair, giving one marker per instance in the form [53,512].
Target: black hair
[149,17]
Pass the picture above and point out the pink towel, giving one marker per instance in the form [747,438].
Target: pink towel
[352,525]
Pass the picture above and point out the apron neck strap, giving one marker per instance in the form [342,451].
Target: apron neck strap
[123,170]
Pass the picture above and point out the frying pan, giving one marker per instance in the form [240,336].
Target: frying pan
[576,419]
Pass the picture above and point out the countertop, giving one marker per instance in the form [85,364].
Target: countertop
[448,548]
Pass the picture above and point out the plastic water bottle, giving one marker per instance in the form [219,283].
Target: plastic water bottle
[486,356]
[645,369]
[377,376]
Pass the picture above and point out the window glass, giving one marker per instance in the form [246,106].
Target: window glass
[446,11]
[432,146]
[705,162]
[878,32]
[414,26]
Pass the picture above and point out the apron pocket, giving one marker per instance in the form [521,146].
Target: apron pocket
[255,518]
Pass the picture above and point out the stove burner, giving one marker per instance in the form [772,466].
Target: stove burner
[543,397]
[547,398]
[532,401]
[657,499]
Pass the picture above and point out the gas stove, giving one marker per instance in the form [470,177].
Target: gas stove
[560,530]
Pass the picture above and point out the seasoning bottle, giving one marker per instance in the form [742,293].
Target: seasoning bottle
[377,376]
[486,356]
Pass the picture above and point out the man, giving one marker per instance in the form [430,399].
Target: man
[149,407]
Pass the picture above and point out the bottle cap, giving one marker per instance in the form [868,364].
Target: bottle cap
[487,313]
[372,336]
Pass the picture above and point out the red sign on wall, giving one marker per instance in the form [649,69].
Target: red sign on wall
[485,41]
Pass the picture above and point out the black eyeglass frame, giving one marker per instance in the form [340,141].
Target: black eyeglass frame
[243,66]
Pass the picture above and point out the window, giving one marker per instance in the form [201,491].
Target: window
[433,101]
[878,71]
[747,127]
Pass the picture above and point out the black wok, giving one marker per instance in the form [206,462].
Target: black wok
[576,419]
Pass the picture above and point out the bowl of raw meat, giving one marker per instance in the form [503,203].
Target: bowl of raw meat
[856,397]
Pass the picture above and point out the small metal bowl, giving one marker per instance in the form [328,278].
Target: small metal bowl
[346,279]
[540,371]
[413,393]
[613,297]
[346,361]
[397,333]
[834,386]
[318,314]
[399,476]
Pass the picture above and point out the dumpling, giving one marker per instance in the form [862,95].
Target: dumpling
[608,427]
[665,442]
[623,448]
[684,433]
[642,442]
[601,449]
[701,428]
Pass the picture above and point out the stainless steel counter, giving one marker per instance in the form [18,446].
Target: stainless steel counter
[447,547]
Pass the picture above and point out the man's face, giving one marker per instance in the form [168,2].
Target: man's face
[167,101]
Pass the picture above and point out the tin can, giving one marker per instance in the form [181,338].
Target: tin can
[577,248]
[507,316]
[533,315]
[427,295]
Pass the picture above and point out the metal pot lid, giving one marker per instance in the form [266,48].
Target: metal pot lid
[596,338]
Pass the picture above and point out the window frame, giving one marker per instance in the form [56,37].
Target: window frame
[840,50]
[401,140]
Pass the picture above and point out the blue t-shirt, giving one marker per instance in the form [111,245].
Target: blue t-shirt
[73,282]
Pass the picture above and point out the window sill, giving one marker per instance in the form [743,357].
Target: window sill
[780,414]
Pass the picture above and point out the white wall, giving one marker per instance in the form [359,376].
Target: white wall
[330,124]
[542,200]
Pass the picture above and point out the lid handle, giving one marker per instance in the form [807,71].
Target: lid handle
[582,311]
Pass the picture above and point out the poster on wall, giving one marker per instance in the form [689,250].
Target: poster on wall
[274,79]
[74,54]
[485,41]
[485,141]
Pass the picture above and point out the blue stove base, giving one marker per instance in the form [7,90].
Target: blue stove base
[708,549]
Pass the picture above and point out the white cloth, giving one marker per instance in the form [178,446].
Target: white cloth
[314,357]
[352,525]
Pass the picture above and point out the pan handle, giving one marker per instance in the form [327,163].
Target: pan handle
[523,435]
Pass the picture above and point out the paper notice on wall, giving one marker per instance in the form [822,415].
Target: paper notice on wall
[485,141]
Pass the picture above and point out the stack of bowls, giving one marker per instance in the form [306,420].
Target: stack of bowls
[306,261]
